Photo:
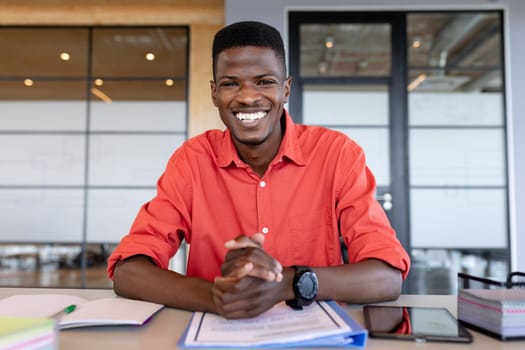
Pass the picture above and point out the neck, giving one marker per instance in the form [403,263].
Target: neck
[259,164]
[259,157]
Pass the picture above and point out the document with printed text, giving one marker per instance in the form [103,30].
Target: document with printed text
[320,324]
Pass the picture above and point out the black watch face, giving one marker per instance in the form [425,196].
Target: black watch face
[307,285]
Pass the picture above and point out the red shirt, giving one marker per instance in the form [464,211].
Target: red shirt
[317,188]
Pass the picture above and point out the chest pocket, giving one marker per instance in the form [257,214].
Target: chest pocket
[314,241]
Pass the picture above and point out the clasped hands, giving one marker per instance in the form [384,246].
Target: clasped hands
[250,281]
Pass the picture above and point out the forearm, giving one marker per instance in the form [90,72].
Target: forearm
[369,281]
[138,278]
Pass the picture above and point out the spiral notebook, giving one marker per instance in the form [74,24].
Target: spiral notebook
[493,307]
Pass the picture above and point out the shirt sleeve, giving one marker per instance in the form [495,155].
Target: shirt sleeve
[162,223]
[364,226]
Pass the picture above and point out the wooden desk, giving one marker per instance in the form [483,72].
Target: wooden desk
[165,329]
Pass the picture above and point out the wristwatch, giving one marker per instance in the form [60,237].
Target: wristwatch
[305,286]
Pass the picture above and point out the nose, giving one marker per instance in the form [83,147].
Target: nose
[248,94]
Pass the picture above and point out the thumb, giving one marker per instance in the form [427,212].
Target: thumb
[258,238]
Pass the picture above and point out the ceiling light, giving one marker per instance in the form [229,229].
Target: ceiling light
[416,43]
[415,83]
[149,56]
[28,82]
[64,56]
[363,64]
[169,82]
[101,95]
[329,42]
[99,82]
[323,67]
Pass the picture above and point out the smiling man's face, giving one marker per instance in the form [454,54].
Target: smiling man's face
[250,90]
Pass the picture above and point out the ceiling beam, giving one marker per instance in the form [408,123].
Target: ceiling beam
[153,12]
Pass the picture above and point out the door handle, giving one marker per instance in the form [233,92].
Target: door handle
[386,198]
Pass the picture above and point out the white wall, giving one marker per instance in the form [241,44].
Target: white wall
[275,13]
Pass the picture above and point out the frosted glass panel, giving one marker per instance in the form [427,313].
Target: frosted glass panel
[455,109]
[29,115]
[136,160]
[42,159]
[337,106]
[111,213]
[29,215]
[375,143]
[457,218]
[139,116]
[457,157]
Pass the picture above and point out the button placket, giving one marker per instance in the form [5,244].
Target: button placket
[264,207]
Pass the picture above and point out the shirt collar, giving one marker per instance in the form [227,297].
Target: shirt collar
[290,147]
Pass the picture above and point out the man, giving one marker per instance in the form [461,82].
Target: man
[263,204]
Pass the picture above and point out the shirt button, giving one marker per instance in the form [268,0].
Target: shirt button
[265,230]
[262,184]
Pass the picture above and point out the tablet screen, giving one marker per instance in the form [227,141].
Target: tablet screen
[414,323]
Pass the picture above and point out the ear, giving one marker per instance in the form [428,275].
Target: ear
[213,88]
[287,88]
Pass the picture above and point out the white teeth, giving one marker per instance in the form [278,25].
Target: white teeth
[250,116]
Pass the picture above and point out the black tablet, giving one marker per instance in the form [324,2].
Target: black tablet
[418,324]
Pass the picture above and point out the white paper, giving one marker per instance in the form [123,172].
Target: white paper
[281,324]
[98,312]
[37,305]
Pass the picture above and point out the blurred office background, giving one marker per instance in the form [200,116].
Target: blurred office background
[95,97]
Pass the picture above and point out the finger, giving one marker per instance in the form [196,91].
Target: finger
[253,269]
[265,267]
[267,275]
[245,297]
[251,262]
[234,304]
[244,241]
[258,238]
[225,284]
[278,277]
[251,298]
[218,297]
[270,275]
[241,271]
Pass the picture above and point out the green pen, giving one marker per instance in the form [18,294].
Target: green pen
[67,310]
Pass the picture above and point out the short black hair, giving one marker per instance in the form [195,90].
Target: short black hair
[248,33]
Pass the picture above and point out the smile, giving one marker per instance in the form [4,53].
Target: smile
[250,116]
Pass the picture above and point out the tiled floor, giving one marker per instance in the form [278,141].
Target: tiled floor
[428,275]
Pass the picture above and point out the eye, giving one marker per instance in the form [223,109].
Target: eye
[229,83]
[266,82]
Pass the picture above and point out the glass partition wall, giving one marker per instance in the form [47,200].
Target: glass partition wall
[88,119]
[457,147]
[423,93]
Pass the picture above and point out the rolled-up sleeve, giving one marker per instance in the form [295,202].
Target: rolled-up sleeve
[364,226]
[162,223]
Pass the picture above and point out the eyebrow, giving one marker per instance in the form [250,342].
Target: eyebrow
[265,75]
[259,76]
